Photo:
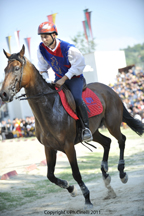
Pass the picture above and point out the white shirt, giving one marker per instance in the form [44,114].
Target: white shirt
[75,58]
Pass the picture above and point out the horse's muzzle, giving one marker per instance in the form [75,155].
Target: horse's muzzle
[5,96]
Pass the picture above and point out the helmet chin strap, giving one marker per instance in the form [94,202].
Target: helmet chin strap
[52,40]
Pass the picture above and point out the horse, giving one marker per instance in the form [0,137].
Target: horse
[57,130]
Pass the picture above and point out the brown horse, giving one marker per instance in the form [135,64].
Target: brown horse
[56,130]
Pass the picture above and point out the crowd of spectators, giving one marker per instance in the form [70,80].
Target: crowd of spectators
[17,128]
[130,87]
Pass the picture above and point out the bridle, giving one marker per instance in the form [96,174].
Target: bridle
[22,60]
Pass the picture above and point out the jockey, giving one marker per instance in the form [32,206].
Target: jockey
[68,63]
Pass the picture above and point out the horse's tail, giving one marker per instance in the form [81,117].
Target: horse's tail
[135,124]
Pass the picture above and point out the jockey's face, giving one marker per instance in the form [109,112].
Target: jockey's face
[47,39]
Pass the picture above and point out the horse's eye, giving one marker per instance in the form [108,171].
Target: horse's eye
[17,68]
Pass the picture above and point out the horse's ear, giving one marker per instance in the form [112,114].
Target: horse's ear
[22,52]
[6,54]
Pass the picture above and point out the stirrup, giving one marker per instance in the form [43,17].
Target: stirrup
[87,137]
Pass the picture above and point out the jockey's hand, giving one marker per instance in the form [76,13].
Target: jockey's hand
[61,81]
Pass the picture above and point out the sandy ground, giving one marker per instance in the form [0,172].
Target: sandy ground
[17,155]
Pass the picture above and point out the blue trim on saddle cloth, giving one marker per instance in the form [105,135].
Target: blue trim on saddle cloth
[58,59]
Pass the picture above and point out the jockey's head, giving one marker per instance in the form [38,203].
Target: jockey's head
[48,28]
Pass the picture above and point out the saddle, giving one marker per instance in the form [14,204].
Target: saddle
[93,103]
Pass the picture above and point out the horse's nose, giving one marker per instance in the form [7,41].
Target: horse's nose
[4,96]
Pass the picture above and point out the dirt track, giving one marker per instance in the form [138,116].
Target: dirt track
[130,197]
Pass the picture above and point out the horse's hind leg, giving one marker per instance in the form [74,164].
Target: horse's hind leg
[115,131]
[105,142]
[121,165]
[51,161]
[71,154]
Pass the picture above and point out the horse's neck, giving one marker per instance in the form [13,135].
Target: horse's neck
[38,86]
[33,81]
[42,106]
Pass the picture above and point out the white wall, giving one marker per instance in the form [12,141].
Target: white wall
[90,70]
[19,109]
[104,66]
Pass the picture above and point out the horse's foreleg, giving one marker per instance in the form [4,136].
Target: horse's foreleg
[121,164]
[51,161]
[71,154]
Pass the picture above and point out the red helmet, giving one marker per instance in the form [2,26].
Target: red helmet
[47,28]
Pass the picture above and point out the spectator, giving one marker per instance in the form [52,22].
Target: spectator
[9,125]
[130,87]
[3,130]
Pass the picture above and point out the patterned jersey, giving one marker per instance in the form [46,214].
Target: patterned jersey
[58,59]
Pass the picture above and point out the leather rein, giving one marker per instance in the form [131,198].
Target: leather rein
[38,95]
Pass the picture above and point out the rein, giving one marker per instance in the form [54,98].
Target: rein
[38,95]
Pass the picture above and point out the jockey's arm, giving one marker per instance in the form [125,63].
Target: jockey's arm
[43,67]
[77,62]
[61,81]
[45,76]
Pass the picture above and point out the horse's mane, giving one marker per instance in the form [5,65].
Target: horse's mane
[39,76]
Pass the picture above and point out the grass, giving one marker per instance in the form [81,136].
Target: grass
[8,200]
[40,189]
[89,165]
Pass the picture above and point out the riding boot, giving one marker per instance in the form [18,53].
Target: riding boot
[86,133]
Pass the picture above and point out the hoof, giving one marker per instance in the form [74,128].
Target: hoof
[124,179]
[74,192]
[111,194]
[107,180]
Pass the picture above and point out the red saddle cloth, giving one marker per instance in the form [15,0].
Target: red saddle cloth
[90,98]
